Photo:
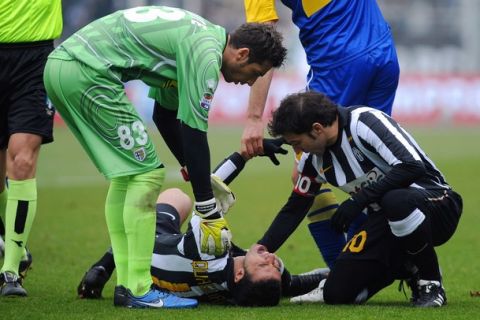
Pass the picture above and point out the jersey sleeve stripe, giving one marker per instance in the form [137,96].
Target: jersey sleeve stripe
[387,139]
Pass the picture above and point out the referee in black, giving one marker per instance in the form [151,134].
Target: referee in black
[411,208]
[27,30]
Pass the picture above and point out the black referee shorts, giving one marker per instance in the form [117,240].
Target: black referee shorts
[24,107]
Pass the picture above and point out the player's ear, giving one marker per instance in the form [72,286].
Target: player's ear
[242,55]
[317,128]
[239,274]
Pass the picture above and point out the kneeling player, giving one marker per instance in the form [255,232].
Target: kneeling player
[370,261]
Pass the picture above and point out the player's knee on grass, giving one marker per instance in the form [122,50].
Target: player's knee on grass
[354,281]
[338,292]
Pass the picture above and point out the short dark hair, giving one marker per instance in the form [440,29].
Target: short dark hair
[299,111]
[263,40]
[263,293]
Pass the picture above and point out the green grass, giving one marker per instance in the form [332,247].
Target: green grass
[70,233]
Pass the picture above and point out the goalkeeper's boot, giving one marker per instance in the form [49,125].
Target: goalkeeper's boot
[120,297]
[25,264]
[11,285]
[306,282]
[156,298]
[92,283]
[316,295]
[430,294]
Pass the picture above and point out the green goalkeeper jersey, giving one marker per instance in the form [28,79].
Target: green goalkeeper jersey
[164,47]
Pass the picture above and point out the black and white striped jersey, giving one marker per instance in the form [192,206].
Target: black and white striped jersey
[372,155]
[179,266]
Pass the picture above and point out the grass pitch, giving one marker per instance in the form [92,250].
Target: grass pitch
[69,234]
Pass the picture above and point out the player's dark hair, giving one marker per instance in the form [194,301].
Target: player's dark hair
[263,293]
[299,111]
[263,40]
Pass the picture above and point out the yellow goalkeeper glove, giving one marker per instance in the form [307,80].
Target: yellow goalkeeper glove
[223,195]
[215,235]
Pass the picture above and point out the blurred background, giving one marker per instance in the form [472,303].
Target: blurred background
[438,43]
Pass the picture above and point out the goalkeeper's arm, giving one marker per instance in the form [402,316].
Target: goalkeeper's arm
[197,159]
[170,128]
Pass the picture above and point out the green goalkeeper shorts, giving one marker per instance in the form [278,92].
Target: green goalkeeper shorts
[98,112]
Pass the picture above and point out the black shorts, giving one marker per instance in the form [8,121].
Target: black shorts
[167,233]
[373,241]
[168,220]
[369,262]
[24,107]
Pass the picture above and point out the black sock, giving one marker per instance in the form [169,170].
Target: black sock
[419,247]
[2,228]
[107,262]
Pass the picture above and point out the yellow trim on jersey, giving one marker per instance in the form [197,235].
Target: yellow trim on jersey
[298,156]
[260,10]
[323,200]
[310,7]
[170,286]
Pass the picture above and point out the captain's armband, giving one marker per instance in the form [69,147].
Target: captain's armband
[306,186]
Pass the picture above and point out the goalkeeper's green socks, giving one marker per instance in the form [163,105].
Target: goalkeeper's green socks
[139,218]
[116,229]
[20,212]
[130,214]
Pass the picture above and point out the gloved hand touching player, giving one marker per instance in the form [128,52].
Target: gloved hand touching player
[215,235]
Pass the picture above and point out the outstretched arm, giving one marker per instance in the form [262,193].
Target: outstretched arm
[251,143]
[286,221]
[231,166]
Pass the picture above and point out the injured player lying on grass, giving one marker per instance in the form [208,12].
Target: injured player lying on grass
[247,278]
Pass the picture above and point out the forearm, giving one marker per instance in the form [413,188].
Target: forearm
[286,221]
[401,176]
[230,167]
[170,129]
[258,97]
[197,160]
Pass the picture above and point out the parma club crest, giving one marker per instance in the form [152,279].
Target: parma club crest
[140,154]
[206,101]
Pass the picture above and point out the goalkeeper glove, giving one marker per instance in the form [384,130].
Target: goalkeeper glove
[223,195]
[271,147]
[215,235]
